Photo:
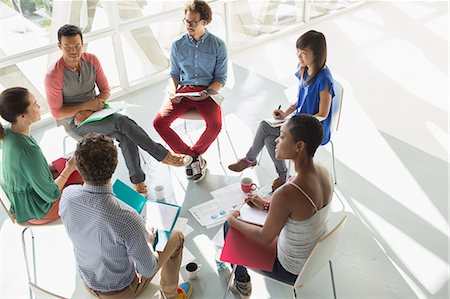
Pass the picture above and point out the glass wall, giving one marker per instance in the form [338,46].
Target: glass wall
[131,38]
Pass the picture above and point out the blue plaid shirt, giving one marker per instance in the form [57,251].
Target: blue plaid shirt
[199,63]
[109,238]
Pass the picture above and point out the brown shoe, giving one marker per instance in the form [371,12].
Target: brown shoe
[241,165]
[177,160]
[277,183]
[141,188]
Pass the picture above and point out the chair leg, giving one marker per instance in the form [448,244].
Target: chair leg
[186,132]
[25,255]
[332,280]
[34,256]
[229,138]
[334,162]
[260,157]
[229,281]
[65,145]
[218,149]
[162,293]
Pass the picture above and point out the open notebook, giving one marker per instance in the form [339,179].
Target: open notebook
[160,215]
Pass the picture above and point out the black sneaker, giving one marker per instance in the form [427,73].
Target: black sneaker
[244,289]
[198,169]
[189,172]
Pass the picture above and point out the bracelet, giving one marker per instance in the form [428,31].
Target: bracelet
[266,207]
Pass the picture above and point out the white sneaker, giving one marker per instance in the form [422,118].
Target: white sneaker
[243,289]
[198,169]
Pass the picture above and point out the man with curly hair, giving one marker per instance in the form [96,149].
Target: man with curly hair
[110,240]
[198,63]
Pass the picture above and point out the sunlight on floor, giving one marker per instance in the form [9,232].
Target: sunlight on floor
[414,256]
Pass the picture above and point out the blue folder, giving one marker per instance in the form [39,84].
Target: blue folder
[137,202]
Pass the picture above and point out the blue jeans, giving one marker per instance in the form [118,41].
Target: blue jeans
[278,272]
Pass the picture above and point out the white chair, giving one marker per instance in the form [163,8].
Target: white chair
[317,259]
[335,119]
[69,131]
[80,290]
[193,115]
[6,204]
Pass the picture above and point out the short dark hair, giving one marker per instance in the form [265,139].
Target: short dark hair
[13,101]
[201,7]
[306,128]
[316,42]
[69,30]
[96,158]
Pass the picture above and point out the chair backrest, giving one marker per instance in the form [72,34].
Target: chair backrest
[320,255]
[6,204]
[337,105]
[68,129]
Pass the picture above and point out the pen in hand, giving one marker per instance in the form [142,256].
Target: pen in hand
[276,113]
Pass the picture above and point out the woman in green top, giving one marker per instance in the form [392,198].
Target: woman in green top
[27,179]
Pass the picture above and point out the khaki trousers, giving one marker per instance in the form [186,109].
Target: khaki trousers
[169,261]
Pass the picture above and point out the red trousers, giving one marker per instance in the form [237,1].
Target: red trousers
[208,110]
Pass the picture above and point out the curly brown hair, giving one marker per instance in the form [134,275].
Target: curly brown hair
[96,158]
[201,7]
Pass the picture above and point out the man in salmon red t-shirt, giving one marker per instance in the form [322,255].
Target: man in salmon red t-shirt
[71,94]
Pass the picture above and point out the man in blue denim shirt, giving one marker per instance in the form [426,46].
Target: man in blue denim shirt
[198,62]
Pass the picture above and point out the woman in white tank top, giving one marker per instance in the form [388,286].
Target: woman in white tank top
[298,211]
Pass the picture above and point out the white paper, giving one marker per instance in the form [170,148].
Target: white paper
[274,122]
[218,238]
[160,215]
[187,230]
[181,224]
[220,222]
[187,257]
[187,94]
[230,196]
[209,213]
[252,215]
[218,98]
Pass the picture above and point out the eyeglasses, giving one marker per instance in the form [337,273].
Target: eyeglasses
[191,23]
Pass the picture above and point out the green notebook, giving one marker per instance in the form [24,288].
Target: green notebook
[101,114]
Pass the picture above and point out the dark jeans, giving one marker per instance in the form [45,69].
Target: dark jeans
[278,272]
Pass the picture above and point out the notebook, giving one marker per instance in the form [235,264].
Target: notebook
[252,215]
[160,215]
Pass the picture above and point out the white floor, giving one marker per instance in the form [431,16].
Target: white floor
[391,150]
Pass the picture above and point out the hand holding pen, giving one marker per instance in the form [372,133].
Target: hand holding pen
[254,200]
[279,114]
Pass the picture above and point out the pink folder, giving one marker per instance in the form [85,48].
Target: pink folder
[74,178]
[241,250]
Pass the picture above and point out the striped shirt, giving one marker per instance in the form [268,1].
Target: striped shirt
[109,238]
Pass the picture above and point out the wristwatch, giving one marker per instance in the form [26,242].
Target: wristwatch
[209,91]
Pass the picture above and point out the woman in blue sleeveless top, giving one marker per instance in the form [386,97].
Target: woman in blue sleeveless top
[315,93]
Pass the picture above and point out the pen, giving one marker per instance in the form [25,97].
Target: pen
[276,113]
